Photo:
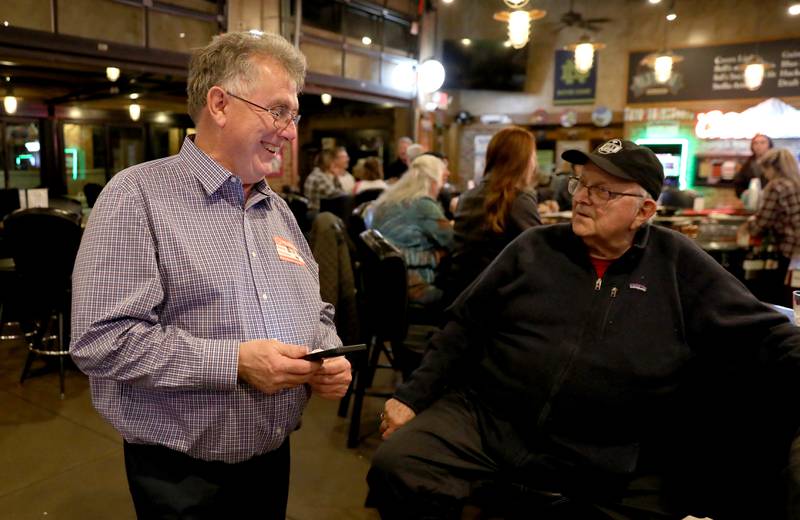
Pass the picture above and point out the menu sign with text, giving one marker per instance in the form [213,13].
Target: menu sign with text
[716,73]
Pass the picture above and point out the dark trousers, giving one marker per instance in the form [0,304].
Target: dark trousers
[167,484]
[437,466]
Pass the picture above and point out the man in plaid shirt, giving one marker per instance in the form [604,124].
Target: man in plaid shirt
[195,297]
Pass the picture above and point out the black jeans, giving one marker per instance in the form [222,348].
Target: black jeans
[167,484]
[438,463]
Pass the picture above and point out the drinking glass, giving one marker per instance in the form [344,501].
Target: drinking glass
[796,306]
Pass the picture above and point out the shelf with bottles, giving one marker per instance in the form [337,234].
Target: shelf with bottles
[717,169]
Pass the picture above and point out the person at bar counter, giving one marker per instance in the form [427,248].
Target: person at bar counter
[778,219]
[759,145]
[496,211]
[195,297]
[564,367]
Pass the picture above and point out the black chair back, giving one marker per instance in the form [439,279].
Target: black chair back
[384,286]
[366,196]
[92,190]
[43,243]
[298,205]
[65,204]
[340,206]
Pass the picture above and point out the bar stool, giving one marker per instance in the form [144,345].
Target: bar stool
[44,243]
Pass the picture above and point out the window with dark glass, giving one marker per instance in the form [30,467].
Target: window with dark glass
[22,150]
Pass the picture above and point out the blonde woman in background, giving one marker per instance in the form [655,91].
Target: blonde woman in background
[778,218]
[409,216]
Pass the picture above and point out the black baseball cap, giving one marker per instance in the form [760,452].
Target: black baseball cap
[624,159]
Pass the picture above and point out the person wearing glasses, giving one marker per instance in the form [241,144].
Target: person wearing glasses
[567,375]
[195,298]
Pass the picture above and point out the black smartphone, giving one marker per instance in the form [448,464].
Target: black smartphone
[333,352]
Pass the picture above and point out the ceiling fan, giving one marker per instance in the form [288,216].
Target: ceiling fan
[573,18]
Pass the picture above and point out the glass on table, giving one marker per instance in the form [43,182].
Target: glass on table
[796,306]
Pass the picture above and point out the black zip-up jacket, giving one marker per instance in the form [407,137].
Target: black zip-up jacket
[584,374]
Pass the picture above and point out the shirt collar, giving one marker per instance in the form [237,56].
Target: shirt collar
[209,172]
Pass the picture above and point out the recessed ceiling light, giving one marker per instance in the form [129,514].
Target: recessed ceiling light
[181,35]
[654,1]
[794,9]
[466,42]
[134,95]
[366,40]
[672,17]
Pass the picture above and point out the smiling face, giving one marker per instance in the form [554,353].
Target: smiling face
[608,228]
[342,160]
[249,137]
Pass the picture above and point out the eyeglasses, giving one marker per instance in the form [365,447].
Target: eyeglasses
[597,194]
[282,117]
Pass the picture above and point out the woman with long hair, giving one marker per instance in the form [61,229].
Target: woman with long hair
[408,215]
[778,219]
[493,213]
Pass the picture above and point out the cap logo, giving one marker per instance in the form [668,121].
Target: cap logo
[612,146]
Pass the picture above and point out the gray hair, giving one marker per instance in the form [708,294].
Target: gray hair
[415,183]
[414,151]
[228,62]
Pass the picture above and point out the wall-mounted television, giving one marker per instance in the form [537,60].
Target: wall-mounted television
[484,65]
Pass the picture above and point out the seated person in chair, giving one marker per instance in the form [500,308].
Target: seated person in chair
[322,182]
[566,367]
[409,216]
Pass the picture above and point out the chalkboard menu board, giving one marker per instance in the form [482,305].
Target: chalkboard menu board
[715,73]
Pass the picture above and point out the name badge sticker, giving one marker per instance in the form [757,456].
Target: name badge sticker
[287,251]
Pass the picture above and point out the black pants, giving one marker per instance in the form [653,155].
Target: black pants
[167,484]
[437,464]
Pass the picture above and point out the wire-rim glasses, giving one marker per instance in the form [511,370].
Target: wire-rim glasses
[280,116]
[597,194]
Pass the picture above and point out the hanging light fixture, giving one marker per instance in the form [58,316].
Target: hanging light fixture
[516,4]
[584,51]
[519,24]
[662,62]
[10,104]
[754,69]
[112,73]
[326,98]
[135,111]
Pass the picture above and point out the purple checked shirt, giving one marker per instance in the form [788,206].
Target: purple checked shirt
[174,271]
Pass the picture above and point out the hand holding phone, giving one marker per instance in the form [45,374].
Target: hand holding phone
[319,354]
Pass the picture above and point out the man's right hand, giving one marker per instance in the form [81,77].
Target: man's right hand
[271,366]
[395,414]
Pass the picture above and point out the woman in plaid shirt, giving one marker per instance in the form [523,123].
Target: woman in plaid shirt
[779,215]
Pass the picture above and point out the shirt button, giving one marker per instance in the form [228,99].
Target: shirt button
[278,431]
[253,254]
[264,296]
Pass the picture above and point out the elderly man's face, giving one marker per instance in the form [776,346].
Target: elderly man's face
[342,160]
[606,223]
[402,148]
[253,137]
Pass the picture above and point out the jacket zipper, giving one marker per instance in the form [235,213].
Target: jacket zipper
[545,411]
[613,297]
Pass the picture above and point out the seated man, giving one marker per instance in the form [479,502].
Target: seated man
[564,367]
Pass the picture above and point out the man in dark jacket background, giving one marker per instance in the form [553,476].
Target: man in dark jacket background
[569,366]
